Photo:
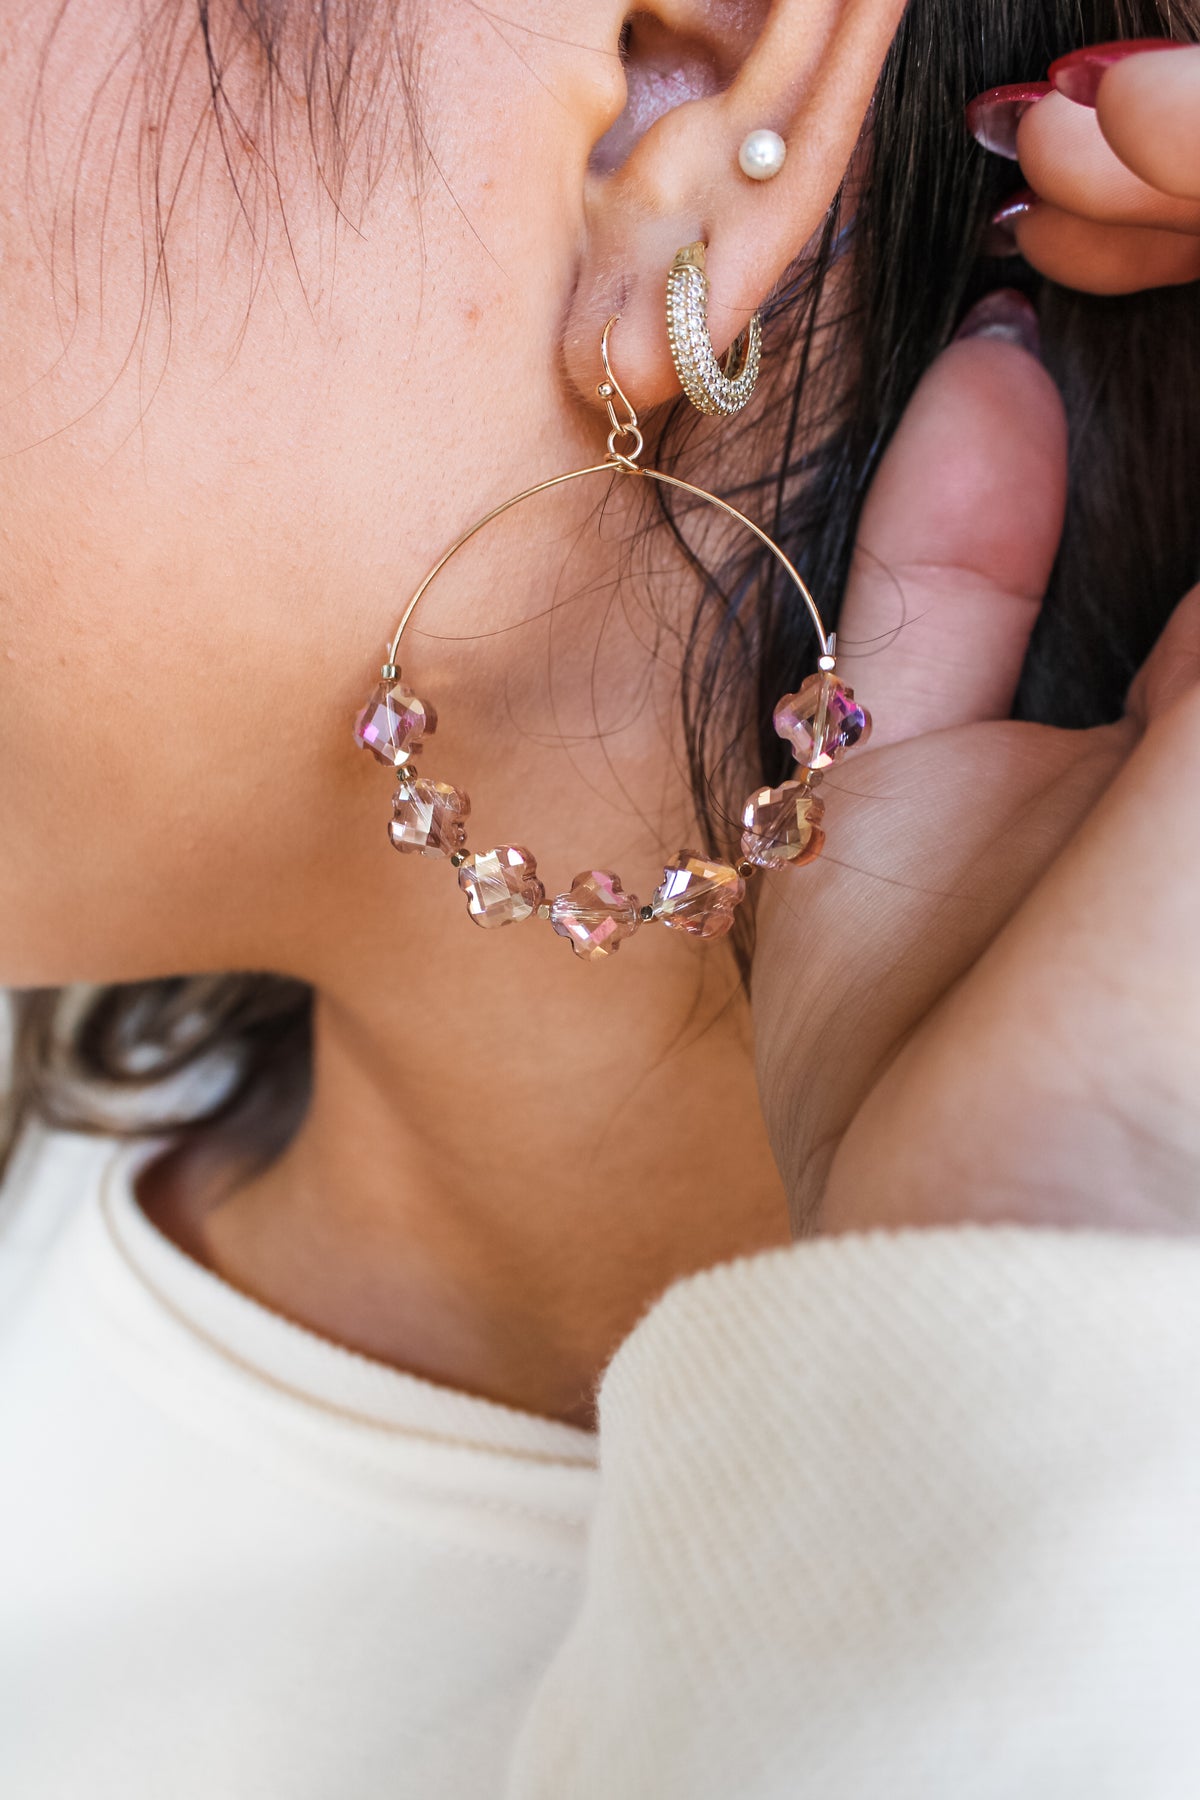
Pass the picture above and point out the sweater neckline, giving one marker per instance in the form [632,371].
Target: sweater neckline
[284,1356]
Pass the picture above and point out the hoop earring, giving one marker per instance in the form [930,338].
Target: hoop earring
[712,387]
[698,895]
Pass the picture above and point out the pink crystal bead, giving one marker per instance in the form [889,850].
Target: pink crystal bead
[698,896]
[501,885]
[393,724]
[820,741]
[783,826]
[596,916]
[428,816]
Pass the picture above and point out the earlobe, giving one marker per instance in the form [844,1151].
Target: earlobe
[669,171]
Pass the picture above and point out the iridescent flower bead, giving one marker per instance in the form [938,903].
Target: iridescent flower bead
[428,816]
[393,724]
[822,721]
[501,885]
[783,826]
[698,896]
[596,916]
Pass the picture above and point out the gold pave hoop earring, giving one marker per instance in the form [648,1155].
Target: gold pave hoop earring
[713,387]
[782,827]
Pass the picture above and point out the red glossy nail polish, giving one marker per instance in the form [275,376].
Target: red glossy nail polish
[992,118]
[1000,238]
[1007,315]
[1079,75]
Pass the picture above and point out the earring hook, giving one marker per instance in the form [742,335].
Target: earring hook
[620,427]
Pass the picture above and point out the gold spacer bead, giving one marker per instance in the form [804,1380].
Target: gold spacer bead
[606,390]
[390,672]
[746,869]
[827,664]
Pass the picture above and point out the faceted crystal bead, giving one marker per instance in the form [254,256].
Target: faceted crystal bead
[783,826]
[597,915]
[698,896]
[393,724]
[501,885]
[429,816]
[819,741]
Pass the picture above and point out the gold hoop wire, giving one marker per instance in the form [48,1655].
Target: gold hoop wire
[621,463]
[698,894]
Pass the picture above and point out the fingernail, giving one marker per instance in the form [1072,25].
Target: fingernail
[992,118]
[1079,75]
[1000,238]
[1004,314]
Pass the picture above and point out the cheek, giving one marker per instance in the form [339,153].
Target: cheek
[174,692]
[201,552]
[189,618]
[177,680]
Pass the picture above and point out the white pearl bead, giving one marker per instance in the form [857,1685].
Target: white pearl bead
[761,154]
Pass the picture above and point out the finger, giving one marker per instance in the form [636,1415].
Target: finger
[1172,667]
[1084,1013]
[1115,920]
[1067,161]
[1148,108]
[1103,259]
[958,535]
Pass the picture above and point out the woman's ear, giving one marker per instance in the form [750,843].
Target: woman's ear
[700,75]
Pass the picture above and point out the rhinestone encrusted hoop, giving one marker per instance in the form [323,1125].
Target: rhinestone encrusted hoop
[721,389]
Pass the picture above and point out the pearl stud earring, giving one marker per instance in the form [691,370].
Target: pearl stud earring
[761,154]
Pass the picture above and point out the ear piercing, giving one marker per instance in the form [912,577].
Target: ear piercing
[761,154]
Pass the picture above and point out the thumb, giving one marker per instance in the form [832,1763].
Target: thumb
[1173,666]
[959,533]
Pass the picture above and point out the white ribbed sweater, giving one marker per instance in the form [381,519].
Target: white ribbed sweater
[911,1516]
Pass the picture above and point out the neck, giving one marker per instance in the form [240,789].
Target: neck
[507,1154]
[492,1203]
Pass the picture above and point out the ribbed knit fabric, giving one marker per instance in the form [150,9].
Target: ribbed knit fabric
[238,1562]
[914,1517]
[911,1516]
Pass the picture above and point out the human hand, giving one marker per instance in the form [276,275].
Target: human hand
[939,834]
[1110,149]
[1059,1082]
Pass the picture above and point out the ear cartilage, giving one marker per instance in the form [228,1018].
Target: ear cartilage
[761,154]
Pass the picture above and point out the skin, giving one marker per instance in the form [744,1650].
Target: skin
[217,535]
[1118,184]
[1035,1062]
[507,1155]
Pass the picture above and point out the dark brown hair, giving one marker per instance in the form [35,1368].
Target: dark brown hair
[1126,368]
